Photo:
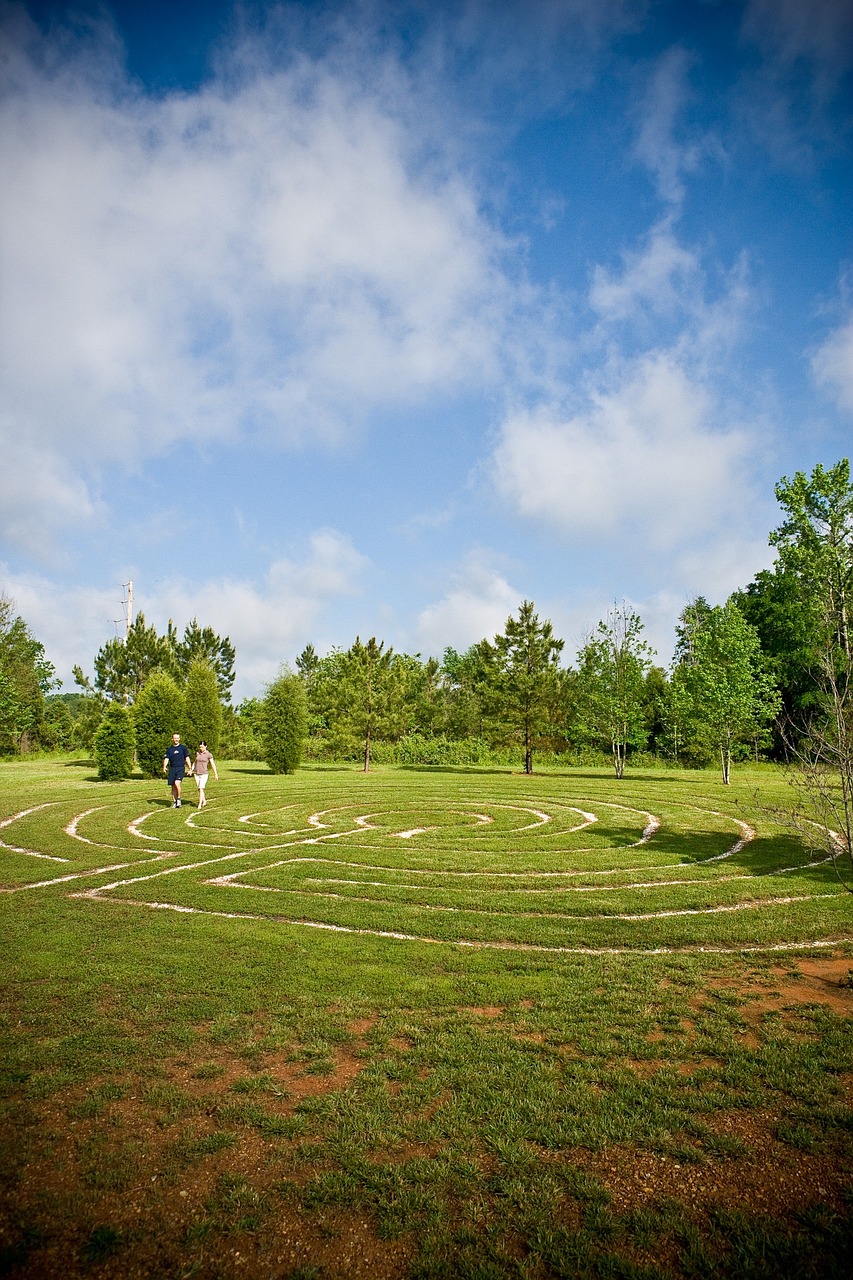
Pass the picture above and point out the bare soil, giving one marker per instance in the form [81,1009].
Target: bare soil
[225,1215]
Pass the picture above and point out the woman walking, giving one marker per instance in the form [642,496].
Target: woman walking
[203,761]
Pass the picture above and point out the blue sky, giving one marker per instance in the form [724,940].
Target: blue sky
[325,320]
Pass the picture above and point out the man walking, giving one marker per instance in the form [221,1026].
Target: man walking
[174,765]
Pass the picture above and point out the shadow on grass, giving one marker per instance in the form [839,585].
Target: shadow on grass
[78,764]
[585,774]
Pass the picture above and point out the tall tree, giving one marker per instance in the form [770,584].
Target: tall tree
[26,677]
[217,651]
[361,694]
[519,678]
[815,545]
[609,690]
[122,667]
[115,743]
[202,720]
[802,608]
[285,723]
[815,542]
[462,679]
[158,713]
[727,694]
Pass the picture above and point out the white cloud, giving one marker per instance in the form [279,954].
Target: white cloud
[643,462]
[475,607]
[661,278]
[268,622]
[268,253]
[657,145]
[832,365]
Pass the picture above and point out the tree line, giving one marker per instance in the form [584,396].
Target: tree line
[765,674]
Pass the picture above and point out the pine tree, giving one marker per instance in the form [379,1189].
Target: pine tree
[158,713]
[202,720]
[115,742]
[218,651]
[285,723]
[520,677]
[362,694]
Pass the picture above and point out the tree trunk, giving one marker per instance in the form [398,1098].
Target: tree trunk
[726,762]
[367,752]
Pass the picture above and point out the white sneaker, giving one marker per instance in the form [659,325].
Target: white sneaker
[177,804]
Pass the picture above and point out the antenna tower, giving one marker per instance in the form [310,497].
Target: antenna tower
[128,609]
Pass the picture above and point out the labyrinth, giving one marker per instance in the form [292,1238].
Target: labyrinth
[554,865]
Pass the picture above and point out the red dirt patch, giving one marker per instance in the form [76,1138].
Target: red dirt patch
[771,1178]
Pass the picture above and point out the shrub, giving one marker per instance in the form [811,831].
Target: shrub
[285,723]
[202,710]
[115,742]
[158,713]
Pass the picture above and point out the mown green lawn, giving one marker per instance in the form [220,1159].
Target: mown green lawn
[421,1023]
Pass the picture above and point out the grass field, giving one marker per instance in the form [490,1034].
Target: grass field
[421,1023]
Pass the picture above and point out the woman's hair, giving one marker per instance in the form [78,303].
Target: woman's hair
[202,744]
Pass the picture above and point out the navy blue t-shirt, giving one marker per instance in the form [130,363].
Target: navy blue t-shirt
[177,757]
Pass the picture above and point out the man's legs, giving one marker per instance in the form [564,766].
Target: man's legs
[176,791]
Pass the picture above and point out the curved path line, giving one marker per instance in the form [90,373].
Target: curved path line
[750,948]
[29,853]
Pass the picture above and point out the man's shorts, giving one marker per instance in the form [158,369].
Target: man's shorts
[175,775]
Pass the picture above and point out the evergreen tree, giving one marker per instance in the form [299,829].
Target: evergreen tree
[218,651]
[361,695]
[609,690]
[158,713]
[115,742]
[25,677]
[519,678]
[285,723]
[123,667]
[202,720]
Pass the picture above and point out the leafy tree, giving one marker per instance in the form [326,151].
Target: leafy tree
[243,731]
[815,546]
[519,678]
[285,723]
[25,677]
[57,728]
[217,651]
[115,743]
[123,667]
[423,694]
[202,721]
[726,693]
[462,679]
[158,713]
[15,718]
[655,698]
[609,690]
[802,607]
[88,710]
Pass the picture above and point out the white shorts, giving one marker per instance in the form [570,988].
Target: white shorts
[201,781]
